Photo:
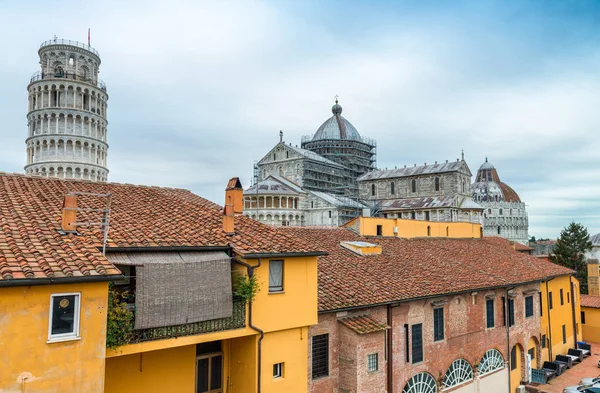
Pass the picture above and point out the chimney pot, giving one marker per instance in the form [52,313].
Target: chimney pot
[69,214]
[234,195]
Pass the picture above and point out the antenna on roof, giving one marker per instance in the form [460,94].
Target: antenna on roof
[104,223]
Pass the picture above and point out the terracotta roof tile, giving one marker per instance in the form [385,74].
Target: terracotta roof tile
[590,301]
[414,268]
[32,247]
[363,324]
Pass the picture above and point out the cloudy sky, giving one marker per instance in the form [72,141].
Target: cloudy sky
[200,89]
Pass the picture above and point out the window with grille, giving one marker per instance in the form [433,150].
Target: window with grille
[491,361]
[460,371]
[511,312]
[583,317]
[417,343]
[562,299]
[513,358]
[564,332]
[320,356]
[275,276]
[373,362]
[529,306]
[438,324]
[421,383]
[543,341]
[489,313]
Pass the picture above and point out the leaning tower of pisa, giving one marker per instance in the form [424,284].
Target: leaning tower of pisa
[66,117]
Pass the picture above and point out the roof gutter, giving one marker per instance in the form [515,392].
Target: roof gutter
[284,254]
[167,248]
[397,302]
[58,280]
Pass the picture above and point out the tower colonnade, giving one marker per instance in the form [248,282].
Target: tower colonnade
[67,117]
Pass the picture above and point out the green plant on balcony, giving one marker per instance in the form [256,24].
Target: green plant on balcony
[119,325]
[245,287]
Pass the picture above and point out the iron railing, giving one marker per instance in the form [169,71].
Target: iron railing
[78,44]
[38,75]
[236,321]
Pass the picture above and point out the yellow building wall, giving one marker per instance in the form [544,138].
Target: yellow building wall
[367,226]
[29,364]
[560,315]
[297,305]
[169,365]
[291,348]
[591,327]
[243,365]
[168,370]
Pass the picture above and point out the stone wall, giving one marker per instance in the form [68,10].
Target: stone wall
[449,184]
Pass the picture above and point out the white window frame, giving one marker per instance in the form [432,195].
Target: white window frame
[65,336]
[279,368]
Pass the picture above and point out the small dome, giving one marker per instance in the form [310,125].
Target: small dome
[337,127]
[486,165]
[336,109]
[489,188]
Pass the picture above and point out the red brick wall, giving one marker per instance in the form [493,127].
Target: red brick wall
[465,336]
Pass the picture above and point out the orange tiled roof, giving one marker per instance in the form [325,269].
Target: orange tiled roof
[414,268]
[30,214]
[590,301]
[363,324]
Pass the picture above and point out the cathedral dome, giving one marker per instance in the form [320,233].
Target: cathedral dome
[489,188]
[337,127]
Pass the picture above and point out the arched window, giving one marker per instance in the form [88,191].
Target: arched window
[490,211]
[421,383]
[414,185]
[491,361]
[513,358]
[287,154]
[437,183]
[274,157]
[500,212]
[460,371]
[373,189]
[392,188]
[312,204]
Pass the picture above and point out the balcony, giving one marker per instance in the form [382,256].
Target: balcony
[236,321]
[67,75]
[78,44]
[121,329]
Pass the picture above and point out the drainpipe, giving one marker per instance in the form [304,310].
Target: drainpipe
[250,270]
[573,312]
[507,323]
[549,324]
[390,362]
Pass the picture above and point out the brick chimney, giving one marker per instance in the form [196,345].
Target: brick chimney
[234,195]
[593,277]
[69,214]
[234,204]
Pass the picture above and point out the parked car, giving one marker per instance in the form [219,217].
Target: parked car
[577,353]
[590,381]
[565,359]
[585,348]
[558,368]
[582,389]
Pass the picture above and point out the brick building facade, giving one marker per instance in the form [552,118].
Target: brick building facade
[437,307]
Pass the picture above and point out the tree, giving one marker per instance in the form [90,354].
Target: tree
[569,251]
